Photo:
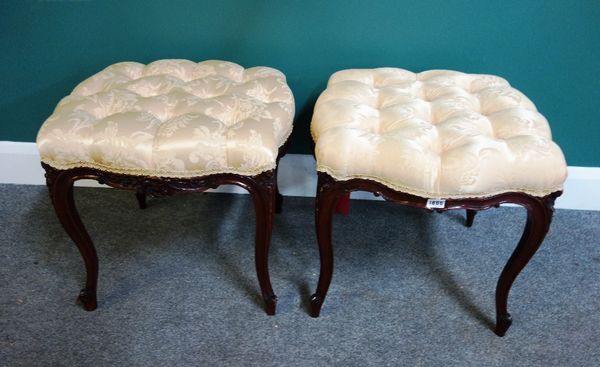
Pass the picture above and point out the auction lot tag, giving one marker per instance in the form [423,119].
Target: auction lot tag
[435,203]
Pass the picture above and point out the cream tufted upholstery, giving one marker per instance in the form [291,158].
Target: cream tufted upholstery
[435,134]
[171,118]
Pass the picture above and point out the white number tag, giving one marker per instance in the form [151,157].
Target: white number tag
[435,204]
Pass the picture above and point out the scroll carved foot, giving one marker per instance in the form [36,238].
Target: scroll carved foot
[315,305]
[503,322]
[271,305]
[87,297]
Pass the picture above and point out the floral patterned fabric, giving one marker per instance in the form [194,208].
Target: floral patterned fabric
[435,134]
[172,118]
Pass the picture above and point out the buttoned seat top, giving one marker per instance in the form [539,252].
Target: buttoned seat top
[435,134]
[171,118]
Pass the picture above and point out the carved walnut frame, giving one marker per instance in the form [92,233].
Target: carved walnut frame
[262,187]
[539,216]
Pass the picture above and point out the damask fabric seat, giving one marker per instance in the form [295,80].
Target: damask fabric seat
[435,134]
[172,118]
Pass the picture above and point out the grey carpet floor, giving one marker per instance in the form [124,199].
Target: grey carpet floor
[177,286]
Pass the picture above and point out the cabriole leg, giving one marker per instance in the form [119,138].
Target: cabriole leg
[326,200]
[539,216]
[264,195]
[61,191]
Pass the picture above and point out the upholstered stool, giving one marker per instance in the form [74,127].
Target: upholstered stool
[437,140]
[168,127]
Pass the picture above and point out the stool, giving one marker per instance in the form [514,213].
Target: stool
[169,127]
[437,140]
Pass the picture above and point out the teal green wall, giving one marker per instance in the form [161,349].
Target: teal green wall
[549,49]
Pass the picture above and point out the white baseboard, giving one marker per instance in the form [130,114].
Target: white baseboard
[20,164]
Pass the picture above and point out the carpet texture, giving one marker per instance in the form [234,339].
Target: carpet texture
[178,287]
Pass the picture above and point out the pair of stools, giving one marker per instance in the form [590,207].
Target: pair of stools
[437,140]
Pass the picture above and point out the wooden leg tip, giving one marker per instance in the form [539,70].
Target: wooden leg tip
[87,298]
[315,305]
[271,305]
[503,322]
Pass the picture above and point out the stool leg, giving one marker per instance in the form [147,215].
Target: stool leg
[539,216]
[470,217]
[278,202]
[264,195]
[343,205]
[325,203]
[61,190]
[141,198]
[279,197]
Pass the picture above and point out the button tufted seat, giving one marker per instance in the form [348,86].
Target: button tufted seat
[437,140]
[169,127]
[435,134]
[172,118]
